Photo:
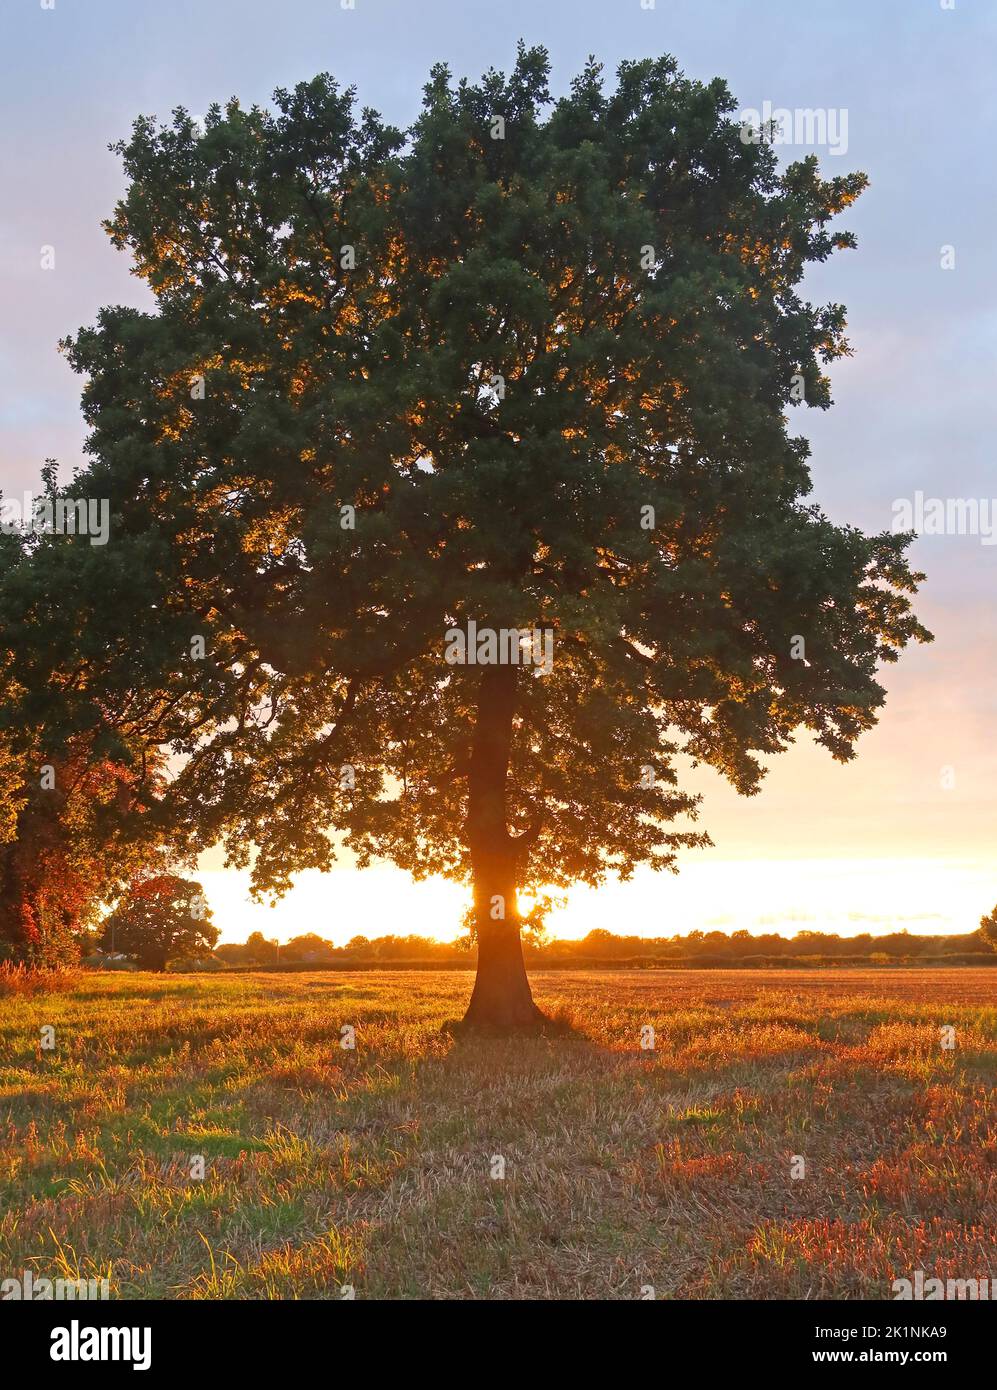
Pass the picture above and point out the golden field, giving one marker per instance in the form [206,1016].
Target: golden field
[628,1173]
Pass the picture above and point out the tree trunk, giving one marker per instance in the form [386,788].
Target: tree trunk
[501,1001]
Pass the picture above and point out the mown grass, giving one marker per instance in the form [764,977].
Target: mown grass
[626,1171]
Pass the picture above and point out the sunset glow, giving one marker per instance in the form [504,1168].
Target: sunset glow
[846,896]
[498,676]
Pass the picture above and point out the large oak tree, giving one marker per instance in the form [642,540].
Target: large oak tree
[529,365]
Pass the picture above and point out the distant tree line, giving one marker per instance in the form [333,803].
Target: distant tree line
[602,947]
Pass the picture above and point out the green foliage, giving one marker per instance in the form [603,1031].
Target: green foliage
[501,352]
[601,948]
[988,928]
[162,918]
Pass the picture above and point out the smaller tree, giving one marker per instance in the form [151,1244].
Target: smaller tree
[988,926]
[163,917]
[311,946]
[260,950]
[67,845]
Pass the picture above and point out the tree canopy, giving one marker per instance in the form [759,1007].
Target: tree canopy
[163,917]
[527,365]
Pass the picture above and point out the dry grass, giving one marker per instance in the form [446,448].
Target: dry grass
[372,1168]
[25,980]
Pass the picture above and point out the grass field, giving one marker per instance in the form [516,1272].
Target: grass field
[625,1170]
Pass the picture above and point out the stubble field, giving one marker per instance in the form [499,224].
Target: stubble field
[378,1169]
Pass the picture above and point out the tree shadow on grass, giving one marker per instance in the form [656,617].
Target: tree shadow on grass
[559,1026]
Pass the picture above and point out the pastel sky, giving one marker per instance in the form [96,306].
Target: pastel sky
[905,835]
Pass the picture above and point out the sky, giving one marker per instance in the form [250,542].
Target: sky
[904,835]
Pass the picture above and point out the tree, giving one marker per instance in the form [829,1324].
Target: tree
[74,794]
[261,950]
[309,946]
[163,917]
[988,928]
[517,371]
[68,845]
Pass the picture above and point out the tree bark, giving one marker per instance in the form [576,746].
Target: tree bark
[502,1001]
